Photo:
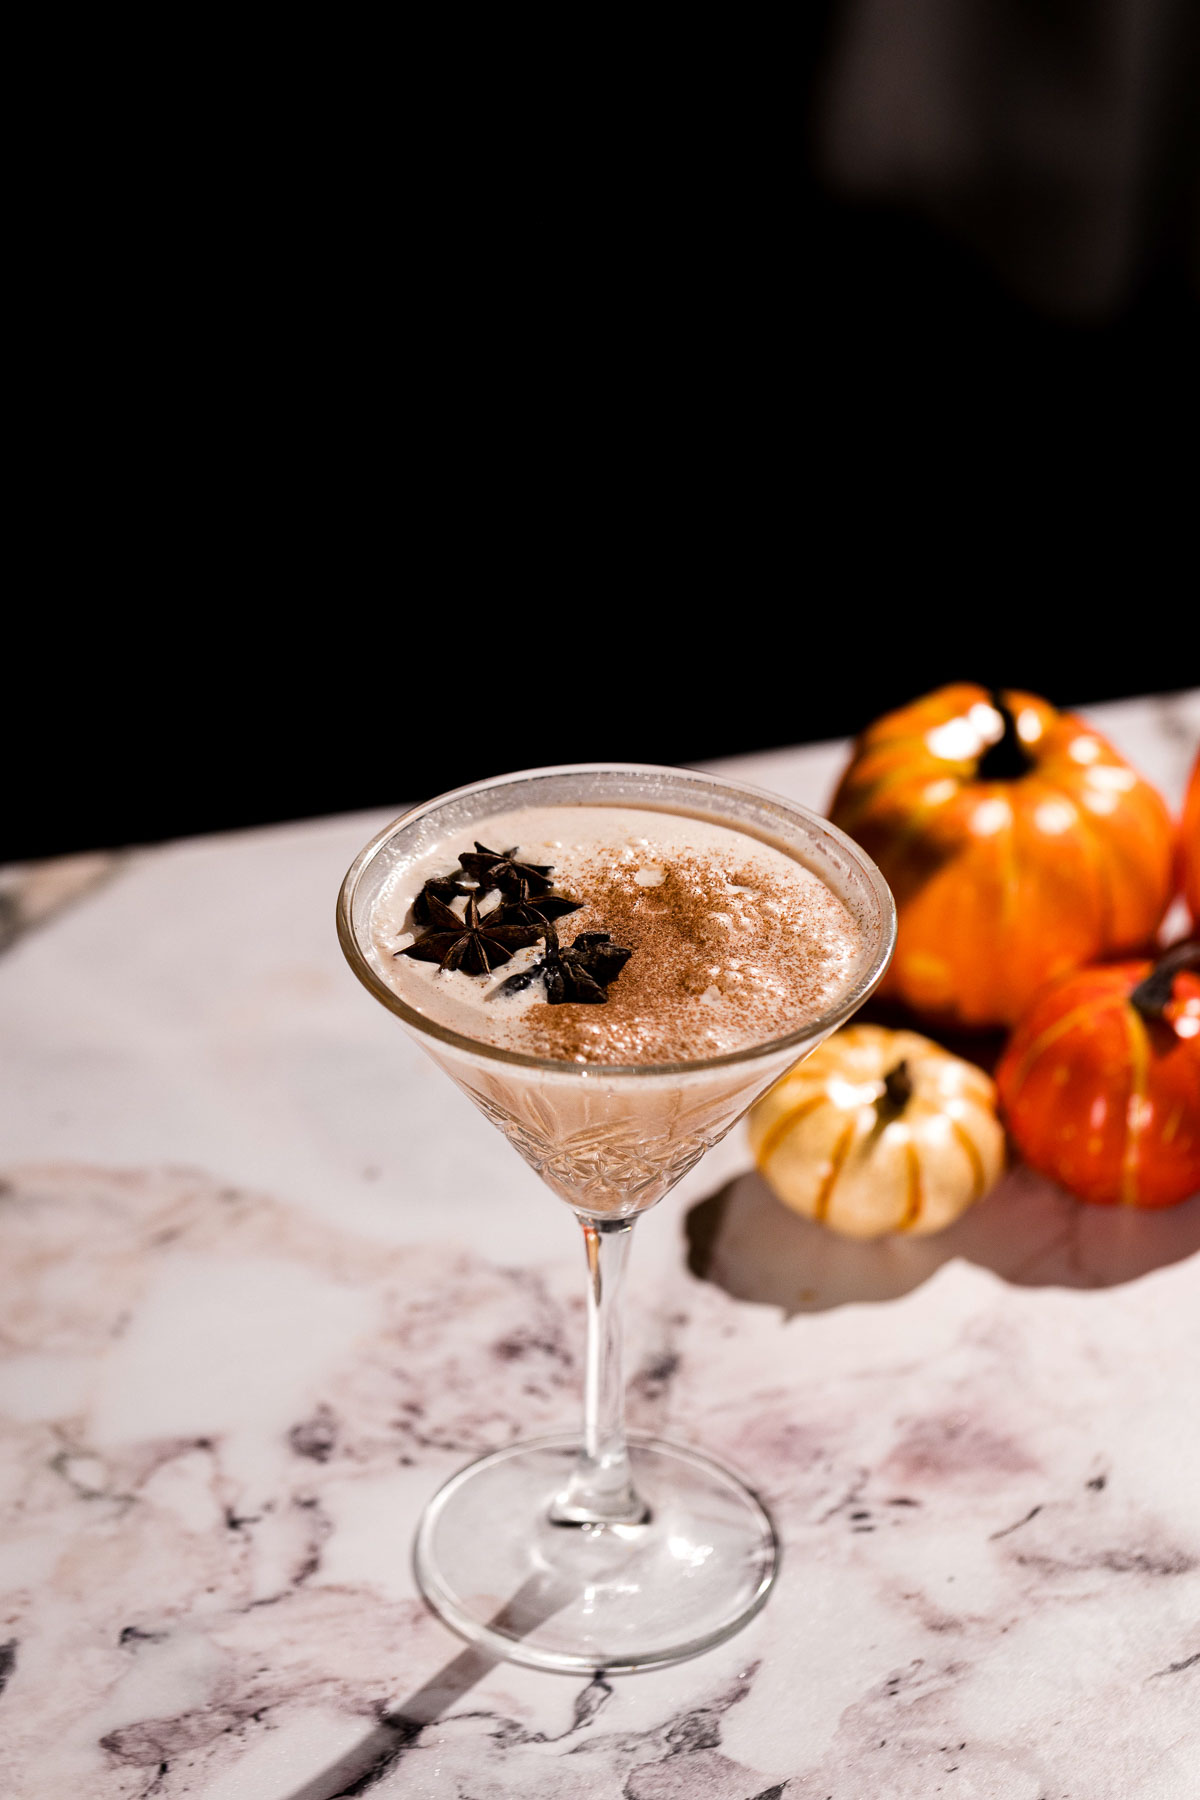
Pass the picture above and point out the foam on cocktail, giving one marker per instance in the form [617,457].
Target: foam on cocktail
[734,942]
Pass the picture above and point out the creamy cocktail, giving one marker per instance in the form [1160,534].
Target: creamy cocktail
[614,963]
[730,940]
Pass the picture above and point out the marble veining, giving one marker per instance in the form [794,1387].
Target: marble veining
[222,1418]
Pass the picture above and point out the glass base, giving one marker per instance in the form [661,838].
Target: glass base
[494,1566]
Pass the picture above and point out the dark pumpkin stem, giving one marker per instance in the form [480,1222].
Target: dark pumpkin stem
[897,1088]
[1150,996]
[1007,759]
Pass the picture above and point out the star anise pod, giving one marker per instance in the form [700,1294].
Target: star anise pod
[524,911]
[499,869]
[592,961]
[474,945]
[444,888]
[577,975]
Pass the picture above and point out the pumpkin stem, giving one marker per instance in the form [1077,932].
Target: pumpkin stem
[897,1089]
[1150,996]
[1007,759]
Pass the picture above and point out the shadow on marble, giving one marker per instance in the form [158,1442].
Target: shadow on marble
[32,894]
[677,1755]
[367,1762]
[1028,1231]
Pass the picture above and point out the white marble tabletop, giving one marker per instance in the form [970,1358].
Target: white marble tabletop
[268,1278]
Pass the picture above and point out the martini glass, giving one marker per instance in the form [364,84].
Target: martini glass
[606,1551]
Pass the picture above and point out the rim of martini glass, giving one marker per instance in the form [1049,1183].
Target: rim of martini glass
[825,1022]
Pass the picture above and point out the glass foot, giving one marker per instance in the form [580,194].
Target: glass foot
[495,1567]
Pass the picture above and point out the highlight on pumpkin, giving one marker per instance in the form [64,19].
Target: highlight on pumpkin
[1100,1083]
[1018,843]
[879,1131]
[1189,846]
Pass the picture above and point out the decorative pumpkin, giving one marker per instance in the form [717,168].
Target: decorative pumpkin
[1189,845]
[1017,842]
[1101,1082]
[879,1131]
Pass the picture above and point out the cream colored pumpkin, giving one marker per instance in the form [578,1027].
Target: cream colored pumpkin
[879,1131]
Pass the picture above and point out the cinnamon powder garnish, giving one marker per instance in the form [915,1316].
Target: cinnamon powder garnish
[720,959]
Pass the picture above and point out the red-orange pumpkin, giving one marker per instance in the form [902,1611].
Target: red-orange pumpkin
[1189,845]
[1017,842]
[1100,1083]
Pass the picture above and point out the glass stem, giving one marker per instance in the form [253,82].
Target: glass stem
[601,1490]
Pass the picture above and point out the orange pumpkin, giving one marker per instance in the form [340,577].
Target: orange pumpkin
[1189,845]
[1017,842]
[1100,1083]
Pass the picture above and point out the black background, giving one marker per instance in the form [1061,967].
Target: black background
[361,475]
[241,742]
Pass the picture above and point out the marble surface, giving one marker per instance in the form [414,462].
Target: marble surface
[268,1278]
